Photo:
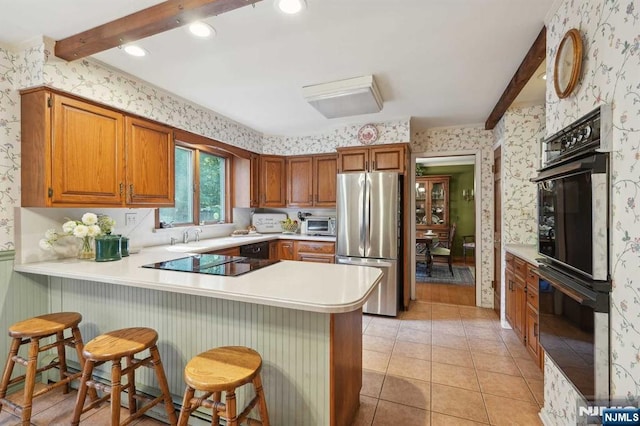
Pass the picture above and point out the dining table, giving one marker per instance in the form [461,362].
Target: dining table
[425,241]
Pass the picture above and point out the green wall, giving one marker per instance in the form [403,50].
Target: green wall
[460,211]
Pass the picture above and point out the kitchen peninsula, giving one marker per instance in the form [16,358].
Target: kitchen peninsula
[303,318]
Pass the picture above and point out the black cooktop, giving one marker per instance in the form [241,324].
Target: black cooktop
[213,264]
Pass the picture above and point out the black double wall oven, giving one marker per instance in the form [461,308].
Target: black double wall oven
[573,239]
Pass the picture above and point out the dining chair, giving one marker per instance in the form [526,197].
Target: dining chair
[468,244]
[441,253]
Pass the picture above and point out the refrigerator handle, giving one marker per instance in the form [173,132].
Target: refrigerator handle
[366,222]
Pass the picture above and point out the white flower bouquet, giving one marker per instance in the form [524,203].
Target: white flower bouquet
[86,229]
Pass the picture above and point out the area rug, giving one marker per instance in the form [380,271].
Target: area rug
[440,274]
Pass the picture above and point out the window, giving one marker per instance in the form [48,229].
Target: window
[201,187]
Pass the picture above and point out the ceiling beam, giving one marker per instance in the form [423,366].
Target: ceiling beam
[156,19]
[529,65]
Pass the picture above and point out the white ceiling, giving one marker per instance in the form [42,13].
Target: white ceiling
[441,62]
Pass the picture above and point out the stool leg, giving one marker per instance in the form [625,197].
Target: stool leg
[215,417]
[131,378]
[8,368]
[186,410]
[62,359]
[30,380]
[116,390]
[79,345]
[262,403]
[164,387]
[87,372]
[230,402]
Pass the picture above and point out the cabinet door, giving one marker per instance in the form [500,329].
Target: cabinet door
[439,202]
[254,180]
[421,204]
[510,302]
[300,182]
[520,308]
[87,151]
[325,170]
[231,251]
[317,258]
[149,163]
[272,181]
[387,159]
[285,250]
[532,330]
[353,160]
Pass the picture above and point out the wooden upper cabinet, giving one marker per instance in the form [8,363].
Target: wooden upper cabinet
[325,171]
[78,153]
[311,180]
[272,181]
[380,158]
[300,181]
[86,153]
[388,158]
[254,178]
[149,163]
[353,160]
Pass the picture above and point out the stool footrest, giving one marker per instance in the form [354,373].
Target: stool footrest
[17,409]
[55,344]
[202,401]
[247,410]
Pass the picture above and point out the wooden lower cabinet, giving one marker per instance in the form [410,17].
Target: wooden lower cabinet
[315,251]
[231,251]
[521,304]
[285,250]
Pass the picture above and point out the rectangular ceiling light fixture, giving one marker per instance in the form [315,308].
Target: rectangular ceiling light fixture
[353,96]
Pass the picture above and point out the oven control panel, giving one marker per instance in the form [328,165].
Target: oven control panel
[583,136]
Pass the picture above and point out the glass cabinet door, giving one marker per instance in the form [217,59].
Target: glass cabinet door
[438,205]
[421,203]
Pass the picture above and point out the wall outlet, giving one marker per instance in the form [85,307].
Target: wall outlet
[130,219]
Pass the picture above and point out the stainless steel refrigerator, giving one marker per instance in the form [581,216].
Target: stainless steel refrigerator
[368,231]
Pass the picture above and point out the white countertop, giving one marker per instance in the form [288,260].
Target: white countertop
[307,286]
[528,252]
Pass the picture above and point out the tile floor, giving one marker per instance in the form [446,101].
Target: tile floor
[436,364]
[441,364]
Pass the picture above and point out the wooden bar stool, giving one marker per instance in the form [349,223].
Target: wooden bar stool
[114,346]
[31,331]
[223,370]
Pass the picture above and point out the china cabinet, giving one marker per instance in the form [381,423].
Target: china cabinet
[432,205]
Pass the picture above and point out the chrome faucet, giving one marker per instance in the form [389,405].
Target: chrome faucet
[185,234]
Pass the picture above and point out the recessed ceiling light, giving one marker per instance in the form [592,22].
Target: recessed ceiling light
[543,76]
[290,7]
[202,30]
[134,50]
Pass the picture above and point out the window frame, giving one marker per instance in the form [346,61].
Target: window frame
[195,144]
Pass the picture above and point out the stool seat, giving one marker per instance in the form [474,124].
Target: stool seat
[221,369]
[44,325]
[112,347]
[120,343]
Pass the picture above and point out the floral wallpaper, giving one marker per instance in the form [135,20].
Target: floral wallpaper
[388,132]
[469,139]
[521,132]
[611,68]
[9,147]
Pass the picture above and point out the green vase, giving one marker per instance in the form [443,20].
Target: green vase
[108,248]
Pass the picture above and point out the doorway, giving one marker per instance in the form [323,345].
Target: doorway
[445,228]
